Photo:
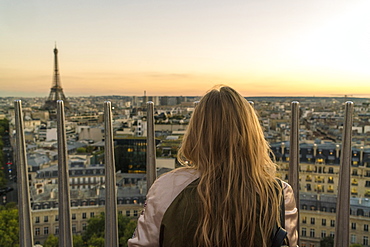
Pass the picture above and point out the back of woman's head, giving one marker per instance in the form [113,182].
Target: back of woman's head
[225,142]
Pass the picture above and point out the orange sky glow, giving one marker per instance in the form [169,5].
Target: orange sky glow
[261,48]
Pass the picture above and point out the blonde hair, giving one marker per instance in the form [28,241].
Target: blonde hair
[237,187]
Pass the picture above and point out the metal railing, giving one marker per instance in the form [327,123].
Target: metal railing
[111,224]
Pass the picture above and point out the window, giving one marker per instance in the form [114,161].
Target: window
[304,220]
[37,219]
[127,212]
[84,226]
[73,216]
[323,234]
[332,234]
[56,217]
[37,231]
[308,187]
[353,226]
[83,215]
[303,232]
[323,222]
[92,214]
[365,240]
[74,230]
[332,223]
[367,184]
[46,230]
[353,238]
[56,230]
[312,233]
[46,219]
[312,221]
[366,227]
[135,212]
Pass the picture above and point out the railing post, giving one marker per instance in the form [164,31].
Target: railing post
[111,223]
[151,173]
[65,229]
[293,177]
[341,238]
[24,208]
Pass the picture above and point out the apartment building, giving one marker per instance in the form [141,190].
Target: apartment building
[319,176]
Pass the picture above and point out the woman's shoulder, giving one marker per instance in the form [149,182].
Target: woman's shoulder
[290,204]
[178,176]
[173,182]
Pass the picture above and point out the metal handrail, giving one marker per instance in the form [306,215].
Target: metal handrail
[341,238]
[151,170]
[293,176]
[111,223]
[65,229]
[24,208]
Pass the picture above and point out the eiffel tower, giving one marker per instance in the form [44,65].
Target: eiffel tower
[56,91]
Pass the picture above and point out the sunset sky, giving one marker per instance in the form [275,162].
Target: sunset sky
[184,47]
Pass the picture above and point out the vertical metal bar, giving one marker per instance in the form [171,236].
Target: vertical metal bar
[111,222]
[293,176]
[65,229]
[341,238]
[151,173]
[24,208]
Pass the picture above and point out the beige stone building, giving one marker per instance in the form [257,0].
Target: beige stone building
[45,221]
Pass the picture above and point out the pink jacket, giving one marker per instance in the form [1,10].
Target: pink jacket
[167,187]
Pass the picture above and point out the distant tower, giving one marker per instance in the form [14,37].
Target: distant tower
[145,99]
[56,92]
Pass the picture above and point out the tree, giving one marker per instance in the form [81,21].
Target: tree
[9,226]
[95,241]
[327,242]
[356,245]
[51,241]
[94,233]
[127,232]
[77,241]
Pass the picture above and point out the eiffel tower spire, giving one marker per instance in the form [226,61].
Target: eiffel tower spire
[56,91]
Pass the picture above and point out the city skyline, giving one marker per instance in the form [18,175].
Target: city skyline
[261,48]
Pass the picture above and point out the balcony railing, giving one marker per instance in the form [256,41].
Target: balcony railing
[111,224]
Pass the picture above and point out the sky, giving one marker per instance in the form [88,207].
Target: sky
[184,47]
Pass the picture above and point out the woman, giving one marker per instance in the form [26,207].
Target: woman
[227,193]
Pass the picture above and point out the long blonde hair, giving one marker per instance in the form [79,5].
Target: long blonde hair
[237,187]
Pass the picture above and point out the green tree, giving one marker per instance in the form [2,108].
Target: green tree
[127,232]
[96,226]
[2,178]
[327,242]
[356,245]
[51,241]
[77,241]
[95,241]
[9,227]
